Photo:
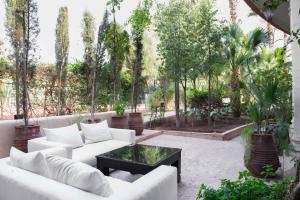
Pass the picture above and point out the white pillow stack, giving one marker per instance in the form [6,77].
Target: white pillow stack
[78,175]
[67,135]
[96,132]
[34,162]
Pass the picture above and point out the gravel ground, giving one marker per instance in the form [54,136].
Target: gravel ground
[203,161]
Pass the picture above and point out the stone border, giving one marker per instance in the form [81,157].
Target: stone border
[227,135]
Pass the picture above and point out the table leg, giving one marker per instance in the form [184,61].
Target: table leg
[104,170]
[177,164]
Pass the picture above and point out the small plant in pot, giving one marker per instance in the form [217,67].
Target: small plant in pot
[261,151]
[26,17]
[120,119]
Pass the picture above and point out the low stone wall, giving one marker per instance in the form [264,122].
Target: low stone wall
[7,127]
[227,135]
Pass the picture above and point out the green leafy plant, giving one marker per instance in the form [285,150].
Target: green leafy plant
[246,187]
[120,108]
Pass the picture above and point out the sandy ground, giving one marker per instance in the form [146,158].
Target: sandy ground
[203,161]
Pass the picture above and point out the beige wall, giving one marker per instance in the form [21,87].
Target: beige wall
[7,127]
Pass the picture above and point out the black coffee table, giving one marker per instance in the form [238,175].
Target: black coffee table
[139,159]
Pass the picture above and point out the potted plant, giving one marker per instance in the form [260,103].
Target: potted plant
[261,151]
[26,17]
[120,119]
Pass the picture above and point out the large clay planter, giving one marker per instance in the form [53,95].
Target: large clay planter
[119,122]
[135,122]
[25,133]
[263,153]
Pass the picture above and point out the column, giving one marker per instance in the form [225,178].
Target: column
[295,24]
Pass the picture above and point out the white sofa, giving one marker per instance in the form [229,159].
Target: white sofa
[87,153]
[19,184]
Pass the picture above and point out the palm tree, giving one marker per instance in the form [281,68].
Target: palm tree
[240,50]
[233,8]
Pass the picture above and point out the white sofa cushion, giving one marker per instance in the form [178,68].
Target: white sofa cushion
[78,175]
[34,162]
[67,135]
[17,184]
[87,153]
[96,132]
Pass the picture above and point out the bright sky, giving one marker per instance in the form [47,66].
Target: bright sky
[48,11]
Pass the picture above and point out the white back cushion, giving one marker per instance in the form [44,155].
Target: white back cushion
[67,135]
[78,175]
[34,162]
[96,132]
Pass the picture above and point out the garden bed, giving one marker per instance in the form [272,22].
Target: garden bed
[225,128]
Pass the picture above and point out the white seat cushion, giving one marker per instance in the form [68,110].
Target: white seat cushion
[87,153]
[78,175]
[117,184]
[67,135]
[96,132]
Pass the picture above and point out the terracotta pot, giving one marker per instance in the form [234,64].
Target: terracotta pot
[119,122]
[262,153]
[25,133]
[135,122]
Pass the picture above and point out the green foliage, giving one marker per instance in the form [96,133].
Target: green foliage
[246,187]
[140,18]
[119,107]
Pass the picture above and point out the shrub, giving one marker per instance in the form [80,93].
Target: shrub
[246,187]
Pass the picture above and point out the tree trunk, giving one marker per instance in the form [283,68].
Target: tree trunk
[17,81]
[235,91]
[270,31]
[93,94]
[233,10]
[58,109]
[177,99]
[114,62]
[184,87]
[137,71]
[209,98]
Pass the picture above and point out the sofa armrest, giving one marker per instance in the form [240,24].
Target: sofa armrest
[159,184]
[125,135]
[42,143]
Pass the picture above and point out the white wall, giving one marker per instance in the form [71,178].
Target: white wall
[7,127]
[295,24]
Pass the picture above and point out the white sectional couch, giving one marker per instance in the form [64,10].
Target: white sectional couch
[19,184]
[87,153]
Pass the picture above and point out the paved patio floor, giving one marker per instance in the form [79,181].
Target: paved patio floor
[203,161]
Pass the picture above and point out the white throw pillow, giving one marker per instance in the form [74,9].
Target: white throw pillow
[96,132]
[78,175]
[34,162]
[67,135]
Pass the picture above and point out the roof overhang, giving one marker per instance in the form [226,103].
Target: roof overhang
[281,18]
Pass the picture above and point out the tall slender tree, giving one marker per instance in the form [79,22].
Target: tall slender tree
[170,27]
[61,53]
[99,61]
[114,5]
[14,31]
[88,38]
[139,20]
[26,16]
